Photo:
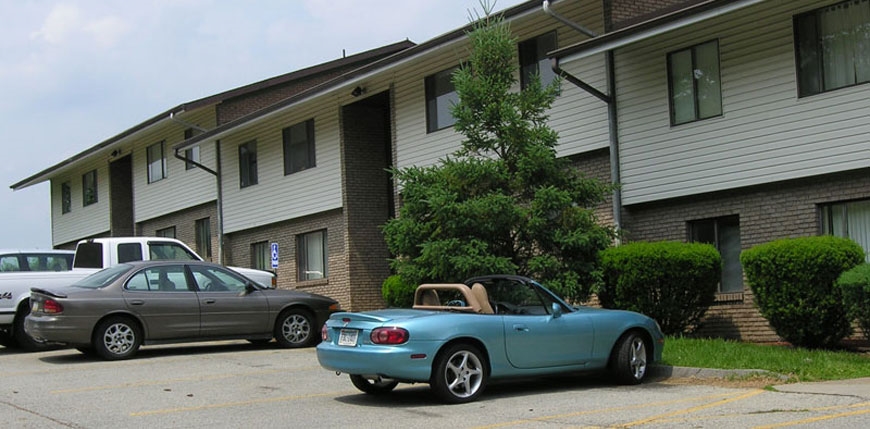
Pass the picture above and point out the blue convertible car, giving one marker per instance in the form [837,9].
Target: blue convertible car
[459,336]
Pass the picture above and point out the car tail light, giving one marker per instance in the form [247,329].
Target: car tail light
[324,333]
[390,335]
[51,306]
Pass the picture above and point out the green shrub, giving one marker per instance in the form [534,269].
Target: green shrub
[674,283]
[855,287]
[793,282]
[398,293]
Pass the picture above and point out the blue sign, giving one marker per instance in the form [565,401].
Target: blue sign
[274,255]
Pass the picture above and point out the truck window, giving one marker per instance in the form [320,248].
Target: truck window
[9,263]
[89,255]
[163,251]
[128,252]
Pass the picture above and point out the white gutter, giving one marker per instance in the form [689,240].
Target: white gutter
[636,37]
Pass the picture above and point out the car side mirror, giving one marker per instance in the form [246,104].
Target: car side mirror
[557,310]
[250,288]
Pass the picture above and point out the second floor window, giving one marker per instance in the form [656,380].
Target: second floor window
[156,162]
[534,61]
[248,164]
[833,47]
[441,95]
[65,197]
[298,147]
[191,153]
[89,188]
[693,83]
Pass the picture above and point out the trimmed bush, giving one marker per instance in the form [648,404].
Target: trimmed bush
[793,282]
[855,287]
[672,282]
[397,293]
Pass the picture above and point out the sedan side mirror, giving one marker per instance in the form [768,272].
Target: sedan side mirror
[557,310]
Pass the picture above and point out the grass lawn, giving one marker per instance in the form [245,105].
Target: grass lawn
[795,363]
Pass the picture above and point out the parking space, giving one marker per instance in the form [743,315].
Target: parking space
[235,384]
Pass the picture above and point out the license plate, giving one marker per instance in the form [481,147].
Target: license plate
[348,337]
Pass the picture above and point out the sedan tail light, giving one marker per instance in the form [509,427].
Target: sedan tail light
[391,335]
[51,306]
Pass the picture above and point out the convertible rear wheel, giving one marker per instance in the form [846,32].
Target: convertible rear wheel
[460,374]
[294,329]
[117,338]
[371,386]
[629,359]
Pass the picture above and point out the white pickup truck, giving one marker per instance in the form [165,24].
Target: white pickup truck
[90,256]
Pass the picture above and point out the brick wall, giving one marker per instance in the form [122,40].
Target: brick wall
[336,285]
[768,212]
[623,13]
[184,222]
[596,165]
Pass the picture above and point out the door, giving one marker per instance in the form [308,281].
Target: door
[165,301]
[228,308]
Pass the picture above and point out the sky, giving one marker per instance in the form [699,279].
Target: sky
[74,73]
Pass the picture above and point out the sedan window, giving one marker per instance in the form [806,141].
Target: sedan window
[213,279]
[170,278]
[104,277]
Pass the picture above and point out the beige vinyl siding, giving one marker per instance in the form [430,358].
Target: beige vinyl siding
[81,221]
[579,118]
[765,133]
[277,197]
[181,188]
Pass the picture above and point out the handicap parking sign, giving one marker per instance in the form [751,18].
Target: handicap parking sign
[274,255]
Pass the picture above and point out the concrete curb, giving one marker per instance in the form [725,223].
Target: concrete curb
[665,371]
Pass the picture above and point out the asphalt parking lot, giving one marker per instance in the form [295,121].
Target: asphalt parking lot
[236,384]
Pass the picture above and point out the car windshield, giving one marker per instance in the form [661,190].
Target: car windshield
[104,277]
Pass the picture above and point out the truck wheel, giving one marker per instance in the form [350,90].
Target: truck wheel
[22,340]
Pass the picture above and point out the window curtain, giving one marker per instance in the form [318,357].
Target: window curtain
[315,256]
[858,224]
[844,30]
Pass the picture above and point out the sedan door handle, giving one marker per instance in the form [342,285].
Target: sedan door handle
[209,301]
[137,302]
[521,328]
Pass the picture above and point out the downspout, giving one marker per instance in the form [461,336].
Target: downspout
[216,173]
[610,99]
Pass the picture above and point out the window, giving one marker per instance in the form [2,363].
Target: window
[534,61]
[248,164]
[850,219]
[203,237]
[261,257]
[170,251]
[128,252]
[65,197]
[298,147]
[89,188]
[168,278]
[311,250]
[166,232]
[440,97]
[191,153]
[833,47]
[156,163]
[724,233]
[693,83]
[214,279]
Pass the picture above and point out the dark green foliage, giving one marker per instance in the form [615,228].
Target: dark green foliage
[793,282]
[398,293]
[504,203]
[855,287]
[674,283]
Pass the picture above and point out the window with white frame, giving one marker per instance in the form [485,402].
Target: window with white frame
[848,219]
[298,147]
[441,95]
[89,188]
[156,162]
[312,255]
[248,164]
[694,86]
[724,233]
[832,47]
[534,61]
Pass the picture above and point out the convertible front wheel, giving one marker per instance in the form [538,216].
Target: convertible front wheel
[629,359]
[460,374]
[373,386]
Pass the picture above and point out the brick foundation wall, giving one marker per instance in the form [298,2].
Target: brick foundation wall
[768,212]
[336,285]
[596,165]
[184,222]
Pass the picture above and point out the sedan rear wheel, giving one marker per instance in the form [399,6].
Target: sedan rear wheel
[460,374]
[373,386]
[629,359]
[295,328]
[117,338]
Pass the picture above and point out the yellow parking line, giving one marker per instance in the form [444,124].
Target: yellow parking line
[176,380]
[693,409]
[821,418]
[604,410]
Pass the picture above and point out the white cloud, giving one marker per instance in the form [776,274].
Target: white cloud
[107,31]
